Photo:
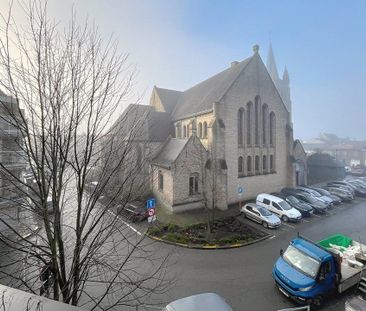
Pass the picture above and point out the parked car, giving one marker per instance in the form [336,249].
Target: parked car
[261,215]
[205,301]
[342,185]
[318,206]
[336,200]
[317,196]
[344,189]
[135,211]
[305,209]
[279,207]
[345,196]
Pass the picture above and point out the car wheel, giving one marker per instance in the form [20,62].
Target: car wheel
[285,218]
[317,302]
[265,224]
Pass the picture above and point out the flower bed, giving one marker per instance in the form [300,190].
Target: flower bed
[224,232]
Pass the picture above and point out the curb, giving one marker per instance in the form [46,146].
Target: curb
[209,246]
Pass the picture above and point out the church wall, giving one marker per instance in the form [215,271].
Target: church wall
[164,196]
[252,82]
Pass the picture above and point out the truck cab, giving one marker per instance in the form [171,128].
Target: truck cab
[306,272]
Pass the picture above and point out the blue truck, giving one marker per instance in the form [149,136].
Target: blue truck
[308,272]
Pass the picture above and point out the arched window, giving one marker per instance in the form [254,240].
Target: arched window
[264,164]
[240,126]
[249,164]
[160,181]
[271,163]
[205,129]
[188,130]
[264,123]
[256,118]
[184,131]
[200,130]
[193,183]
[257,164]
[249,123]
[178,130]
[272,129]
[240,166]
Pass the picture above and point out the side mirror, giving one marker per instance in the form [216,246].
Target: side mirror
[281,252]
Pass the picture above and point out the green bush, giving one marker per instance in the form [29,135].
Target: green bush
[176,237]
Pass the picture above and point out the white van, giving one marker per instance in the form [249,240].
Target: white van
[279,207]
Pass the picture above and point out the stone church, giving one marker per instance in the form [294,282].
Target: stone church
[233,130]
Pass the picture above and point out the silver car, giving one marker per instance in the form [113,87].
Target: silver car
[261,215]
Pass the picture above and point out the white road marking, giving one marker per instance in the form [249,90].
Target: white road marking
[126,223]
[287,225]
[272,237]
[304,220]
[315,215]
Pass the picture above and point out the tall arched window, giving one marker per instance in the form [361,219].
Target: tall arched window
[272,128]
[240,166]
[249,164]
[200,130]
[256,118]
[249,122]
[264,123]
[271,163]
[256,164]
[184,131]
[264,164]
[205,129]
[240,126]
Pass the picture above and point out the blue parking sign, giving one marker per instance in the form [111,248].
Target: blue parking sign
[150,203]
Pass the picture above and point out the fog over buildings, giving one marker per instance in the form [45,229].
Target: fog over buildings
[179,43]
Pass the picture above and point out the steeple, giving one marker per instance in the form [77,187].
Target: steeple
[286,77]
[271,65]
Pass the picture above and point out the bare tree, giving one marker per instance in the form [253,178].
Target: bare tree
[67,86]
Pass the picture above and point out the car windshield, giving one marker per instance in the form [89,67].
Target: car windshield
[310,199]
[264,211]
[292,199]
[285,206]
[301,261]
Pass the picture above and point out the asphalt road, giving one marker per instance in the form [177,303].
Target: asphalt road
[243,275]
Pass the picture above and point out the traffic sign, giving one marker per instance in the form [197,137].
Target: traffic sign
[150,203]
[240,190]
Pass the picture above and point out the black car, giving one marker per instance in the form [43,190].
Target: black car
[134,211]
[318,206]
[304,208]
[345,195]
[336,200]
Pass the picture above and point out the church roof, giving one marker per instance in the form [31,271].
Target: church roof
[169,98]
[201,96]
[142,122]
[170,152]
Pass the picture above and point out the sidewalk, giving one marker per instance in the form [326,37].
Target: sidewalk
[194,216]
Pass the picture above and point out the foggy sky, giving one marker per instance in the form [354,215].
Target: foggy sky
[176,44]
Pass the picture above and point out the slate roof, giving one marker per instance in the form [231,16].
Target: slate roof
[201,96]
[169,98]
[170,152]
[142,122]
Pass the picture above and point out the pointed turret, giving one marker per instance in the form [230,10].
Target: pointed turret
[286,77]
[271,65]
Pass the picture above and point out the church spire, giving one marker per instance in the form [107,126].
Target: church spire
[271,65]
[286,77]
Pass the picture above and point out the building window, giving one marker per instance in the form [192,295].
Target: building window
[264,124]
[184,131]
[256,164]
[272,128]
[193,184]
[240,166]
[249,123]
[249,164]
[204,129]
[200,130]
[271,163]
[160,181]
[240,127]
[264,164]
[188,130]
[178,130]
[256,118]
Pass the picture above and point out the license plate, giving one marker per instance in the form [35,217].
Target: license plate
[283,292]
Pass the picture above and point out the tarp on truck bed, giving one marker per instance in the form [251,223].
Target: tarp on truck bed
[336,239]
